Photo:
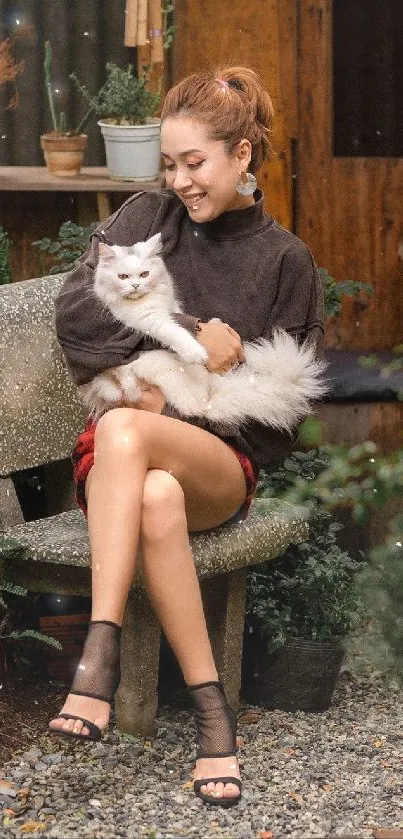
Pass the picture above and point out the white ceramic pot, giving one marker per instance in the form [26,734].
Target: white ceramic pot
[133,152]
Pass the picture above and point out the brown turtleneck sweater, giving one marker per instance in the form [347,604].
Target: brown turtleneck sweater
[242,267]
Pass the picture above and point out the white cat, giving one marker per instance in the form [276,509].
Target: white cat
[275,386]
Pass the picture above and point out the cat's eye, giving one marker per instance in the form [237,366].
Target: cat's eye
[123,276]
[144,274]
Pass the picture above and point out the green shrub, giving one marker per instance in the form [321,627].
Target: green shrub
[5,247]
[309,592]
[124,98]
[361,479]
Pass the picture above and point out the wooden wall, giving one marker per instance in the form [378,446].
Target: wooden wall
[262,36]
[349,209]
[28,216]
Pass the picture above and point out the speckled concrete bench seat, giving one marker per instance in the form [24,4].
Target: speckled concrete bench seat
[40,416]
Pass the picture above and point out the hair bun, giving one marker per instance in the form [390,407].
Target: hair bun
[235,84]
[207,97]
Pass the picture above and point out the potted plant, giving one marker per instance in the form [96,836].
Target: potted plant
[63,148]
[130,129]
[300,608]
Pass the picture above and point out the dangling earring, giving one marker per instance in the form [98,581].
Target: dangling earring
[246,184]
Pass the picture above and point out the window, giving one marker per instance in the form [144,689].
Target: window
[368,78]
[84,34]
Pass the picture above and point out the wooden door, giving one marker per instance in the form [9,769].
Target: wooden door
[349,208]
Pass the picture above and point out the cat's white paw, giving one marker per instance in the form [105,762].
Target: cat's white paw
[194,355]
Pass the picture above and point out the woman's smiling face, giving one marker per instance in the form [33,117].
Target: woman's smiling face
[200,170]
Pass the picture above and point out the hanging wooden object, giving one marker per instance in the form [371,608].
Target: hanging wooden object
[144,30]
[155,32]
[142,23]
[131,17]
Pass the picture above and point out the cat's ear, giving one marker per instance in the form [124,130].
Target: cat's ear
[154,245]
[106,253]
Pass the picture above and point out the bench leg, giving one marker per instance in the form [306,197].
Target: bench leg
[137,697]
[10,510]
[224,604]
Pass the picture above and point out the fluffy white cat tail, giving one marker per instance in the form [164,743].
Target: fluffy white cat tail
[279,383]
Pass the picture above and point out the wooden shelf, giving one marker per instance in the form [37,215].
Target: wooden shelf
[91,179]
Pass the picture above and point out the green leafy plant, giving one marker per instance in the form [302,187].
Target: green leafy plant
[5,247]
[10,595]
[73,240]
[334,291]
[124,98]
[59,121]
[395,365]
[310,591]
[168,29]
[360,479]
[356,477]
[380,586]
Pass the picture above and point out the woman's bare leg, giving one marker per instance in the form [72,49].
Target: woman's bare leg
[173,588]
[168,569]
[114,491]
[129,443]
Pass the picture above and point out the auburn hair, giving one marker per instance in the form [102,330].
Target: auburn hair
[232,103]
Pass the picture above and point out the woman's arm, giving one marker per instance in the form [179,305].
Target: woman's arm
[298,309]
[299,304]
[90,337]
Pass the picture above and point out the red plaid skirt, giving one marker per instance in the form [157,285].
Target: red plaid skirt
[83,461]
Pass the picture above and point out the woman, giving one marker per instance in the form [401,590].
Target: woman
[156,477]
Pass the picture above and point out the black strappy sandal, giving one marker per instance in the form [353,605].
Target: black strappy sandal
[97,675]
[216,726]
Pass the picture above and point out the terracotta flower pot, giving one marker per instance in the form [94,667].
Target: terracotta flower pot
[63,154]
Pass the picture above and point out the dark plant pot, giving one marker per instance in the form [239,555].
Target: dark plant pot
[3,662]
[71,631]
[301,676]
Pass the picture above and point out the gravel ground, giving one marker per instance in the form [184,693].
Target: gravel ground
[305,775]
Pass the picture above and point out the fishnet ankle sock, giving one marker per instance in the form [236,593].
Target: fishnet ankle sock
[215,720]
[98,673]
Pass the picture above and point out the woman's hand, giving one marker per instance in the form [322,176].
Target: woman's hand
[223,345]
[152,398]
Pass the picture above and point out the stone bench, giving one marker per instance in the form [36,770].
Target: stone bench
[40,417]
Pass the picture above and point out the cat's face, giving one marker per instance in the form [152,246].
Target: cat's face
[132,272]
